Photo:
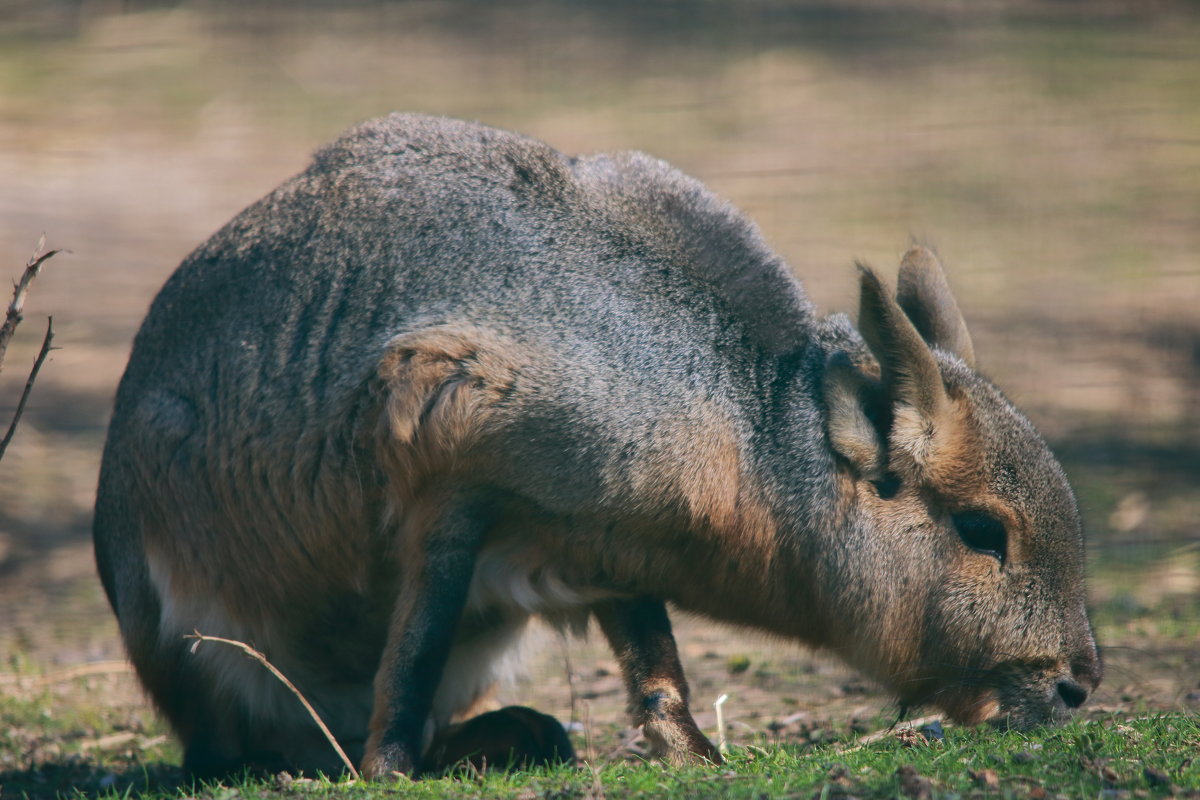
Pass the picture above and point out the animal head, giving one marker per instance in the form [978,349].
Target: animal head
[966,574]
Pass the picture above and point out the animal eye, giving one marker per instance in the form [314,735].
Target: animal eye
[887,487]
[982,533]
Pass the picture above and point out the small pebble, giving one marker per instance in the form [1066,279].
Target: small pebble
[933,732]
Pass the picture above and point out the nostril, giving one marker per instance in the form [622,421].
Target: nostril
[1072,693]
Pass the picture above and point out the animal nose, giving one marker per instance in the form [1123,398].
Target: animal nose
[1073,695]
[1086,672]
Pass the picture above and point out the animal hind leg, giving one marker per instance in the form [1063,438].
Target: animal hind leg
[174,681]
[180,687]
[483,734]
[218,739]
[511,737]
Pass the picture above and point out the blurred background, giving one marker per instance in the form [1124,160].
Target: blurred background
[1050,150]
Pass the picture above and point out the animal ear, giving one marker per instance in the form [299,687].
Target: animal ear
[924,294]
[907,368]
[925,422]
[855,404]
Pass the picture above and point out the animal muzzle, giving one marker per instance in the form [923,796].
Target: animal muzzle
[1051,695]
[1086,672]
[1023,694]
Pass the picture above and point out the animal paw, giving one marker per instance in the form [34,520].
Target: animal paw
[680,742]
[389,760]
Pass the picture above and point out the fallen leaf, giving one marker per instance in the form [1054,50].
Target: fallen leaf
[987,778]
[913,784]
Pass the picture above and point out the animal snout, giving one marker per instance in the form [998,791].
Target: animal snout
[1071,693]
[1086,671]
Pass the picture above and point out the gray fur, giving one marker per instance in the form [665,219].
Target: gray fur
[248,425]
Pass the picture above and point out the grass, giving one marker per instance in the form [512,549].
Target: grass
[55,745]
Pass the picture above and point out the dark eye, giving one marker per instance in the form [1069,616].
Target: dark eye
[982,533]
[887,486]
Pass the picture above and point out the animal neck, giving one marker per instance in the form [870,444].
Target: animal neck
[757,578]
[768,565]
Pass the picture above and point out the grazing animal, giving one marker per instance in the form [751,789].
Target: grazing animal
[448,378]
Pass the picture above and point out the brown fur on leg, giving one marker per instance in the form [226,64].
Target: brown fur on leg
[639,632]
[514,737]
[422,631]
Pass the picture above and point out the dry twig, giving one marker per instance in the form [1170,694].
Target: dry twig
[571,688]
[33,373]
[911,725]
[13,318]
[65,675]
[260,658]
[596,791]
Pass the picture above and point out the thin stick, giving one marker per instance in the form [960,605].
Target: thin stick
[574,693]
[597,792]
[64,675]
[589,754]
[911,725]
[32,267]
[722,745]
[260,658]
[37,365]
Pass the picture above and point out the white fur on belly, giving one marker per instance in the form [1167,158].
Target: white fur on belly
[512,576]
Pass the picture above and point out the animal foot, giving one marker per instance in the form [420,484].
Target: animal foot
[680,742]
[389,760]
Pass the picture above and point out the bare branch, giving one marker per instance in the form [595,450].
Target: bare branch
[32,268]
[33,373]
[260,658]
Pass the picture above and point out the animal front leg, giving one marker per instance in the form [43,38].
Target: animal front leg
[639,632]
[421,634]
